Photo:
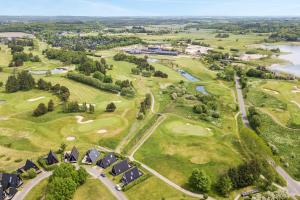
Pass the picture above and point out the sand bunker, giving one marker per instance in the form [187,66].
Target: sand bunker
[35,99]
[70,138]
[102,131]
[117,101]
[295,89]
[272,91]
[80,120]
[3,118]
[88,105]
[296,103]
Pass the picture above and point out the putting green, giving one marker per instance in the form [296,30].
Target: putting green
[185,129]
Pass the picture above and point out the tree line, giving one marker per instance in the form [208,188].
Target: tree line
[143,67]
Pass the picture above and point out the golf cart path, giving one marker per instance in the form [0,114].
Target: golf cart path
[107,182]
[134,127]
[293,186]
[147,135]
[28,187]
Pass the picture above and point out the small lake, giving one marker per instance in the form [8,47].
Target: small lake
[188,76]
[292,55]
[53,71]
[201,88]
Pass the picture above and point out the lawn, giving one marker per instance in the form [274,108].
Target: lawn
[93,189]
[155,189]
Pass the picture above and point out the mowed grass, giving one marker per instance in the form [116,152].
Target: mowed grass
[154,188]
[5,56]
[38,191]
[280,99]
[92,189]
[179,145]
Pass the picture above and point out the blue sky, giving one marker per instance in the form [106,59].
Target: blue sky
[151,7]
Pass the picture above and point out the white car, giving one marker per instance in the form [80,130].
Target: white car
[118,187]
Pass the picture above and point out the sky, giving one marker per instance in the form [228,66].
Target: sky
[150,7]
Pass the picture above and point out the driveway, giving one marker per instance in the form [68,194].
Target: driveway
[96,172]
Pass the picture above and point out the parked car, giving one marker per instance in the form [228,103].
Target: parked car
[118,187]
[103,175]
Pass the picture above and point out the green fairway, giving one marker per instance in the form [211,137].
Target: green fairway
[175,152]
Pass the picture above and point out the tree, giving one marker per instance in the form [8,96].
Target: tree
[92,108]
[224,185]
[26,81]
[12,84]
[50,106]
[199,181]
[42,85]
[111,107]
[40,110]
[82,176]
[61,189]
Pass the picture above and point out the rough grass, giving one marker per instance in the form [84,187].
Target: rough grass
[287,142]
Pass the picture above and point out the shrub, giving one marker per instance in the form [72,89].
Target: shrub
[111,107]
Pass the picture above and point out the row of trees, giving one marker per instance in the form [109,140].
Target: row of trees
[43,109]
[124,87]
[64,181]
[75,107]
[17,50]
[20,57]
[24,81]
[143,67]
[81,43]
[144,106]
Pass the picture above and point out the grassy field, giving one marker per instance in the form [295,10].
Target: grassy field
[38,191]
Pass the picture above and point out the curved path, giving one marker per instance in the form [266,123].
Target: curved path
[293,187]
[96,173]
[26,189]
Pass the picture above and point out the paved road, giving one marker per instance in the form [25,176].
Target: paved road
[95,172]
[26,189]
[293,187]
[241,101]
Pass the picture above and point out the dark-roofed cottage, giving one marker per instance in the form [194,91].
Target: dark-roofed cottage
[51,158]
[120,167]
[131,175]
[91,156]
[107,160]
[9,184]
[29,165]
[73,156]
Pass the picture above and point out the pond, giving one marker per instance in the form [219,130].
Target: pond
[53,71]
[201,88]
[188,76]
[292,55]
